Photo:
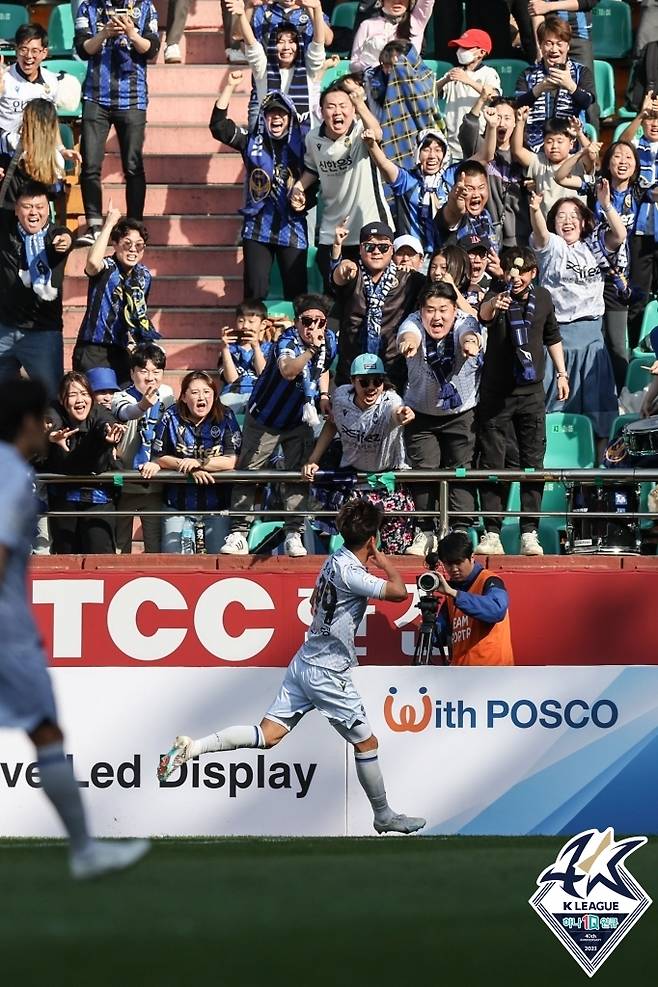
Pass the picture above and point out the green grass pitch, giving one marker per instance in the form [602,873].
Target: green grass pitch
[303,913]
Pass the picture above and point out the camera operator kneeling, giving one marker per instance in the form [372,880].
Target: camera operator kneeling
[475,614]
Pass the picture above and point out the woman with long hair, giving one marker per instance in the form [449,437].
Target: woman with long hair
[199,437]
[574,254]
[450,264]
[83,438]
[390,20]
[36,150]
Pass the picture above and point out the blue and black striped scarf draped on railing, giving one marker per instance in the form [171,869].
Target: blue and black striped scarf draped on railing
[403,102]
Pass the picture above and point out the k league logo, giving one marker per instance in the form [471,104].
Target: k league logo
[588,898]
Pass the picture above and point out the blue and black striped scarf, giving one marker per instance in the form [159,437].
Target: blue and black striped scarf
[441,362]
[519,320]
[269,173]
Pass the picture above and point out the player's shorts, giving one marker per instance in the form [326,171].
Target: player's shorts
[306,687]
[26,692]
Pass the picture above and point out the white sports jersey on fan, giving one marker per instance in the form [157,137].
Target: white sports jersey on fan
[18,92]
[342,592]
[371,439]
[26,697]
[350,183]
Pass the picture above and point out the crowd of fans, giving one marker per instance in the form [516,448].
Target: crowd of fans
[482,262]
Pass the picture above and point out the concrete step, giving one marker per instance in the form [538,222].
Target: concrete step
[205,292]
[169,261]
[195,200]
[204,80]
[193,231]
[171,138]
[199,48]
[191,108]
[203,14]
[182,355]
[173,323]
[214,167]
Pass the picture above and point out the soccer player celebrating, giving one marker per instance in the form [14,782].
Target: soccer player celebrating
[319,675]
[26,695]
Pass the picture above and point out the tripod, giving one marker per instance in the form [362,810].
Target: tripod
[429,607]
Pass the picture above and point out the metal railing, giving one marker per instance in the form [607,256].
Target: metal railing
[443,479]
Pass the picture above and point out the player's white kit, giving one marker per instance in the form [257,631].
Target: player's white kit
[26,695]
[319,677]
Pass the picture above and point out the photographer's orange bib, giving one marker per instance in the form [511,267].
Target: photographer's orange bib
[473,641]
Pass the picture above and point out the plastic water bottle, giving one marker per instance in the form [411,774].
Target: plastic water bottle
[187,537]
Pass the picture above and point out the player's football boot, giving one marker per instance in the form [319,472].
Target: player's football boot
[400,824]
[173,759]
[103,856]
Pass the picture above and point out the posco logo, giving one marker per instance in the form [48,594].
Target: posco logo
[457,714]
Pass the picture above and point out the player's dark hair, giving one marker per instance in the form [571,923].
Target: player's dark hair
[438,289]
[510,254]
[31,32]
[304,302]
[251,306]
[455,547]
[30,190]
[148,352]
[358,521]
[20,399]
[128,226]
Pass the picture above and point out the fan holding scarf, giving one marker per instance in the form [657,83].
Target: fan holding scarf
[521,324]
[443,349]
[273,153]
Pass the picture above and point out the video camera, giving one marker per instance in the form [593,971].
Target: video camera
[428,583]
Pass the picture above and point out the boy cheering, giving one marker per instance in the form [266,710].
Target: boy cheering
[319,675]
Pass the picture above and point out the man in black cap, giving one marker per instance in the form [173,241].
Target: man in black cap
[374,297]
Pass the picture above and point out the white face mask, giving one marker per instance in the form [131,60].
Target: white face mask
[466,55]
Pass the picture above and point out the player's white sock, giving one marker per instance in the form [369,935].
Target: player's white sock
[372,782]
[228,740]
[60,786]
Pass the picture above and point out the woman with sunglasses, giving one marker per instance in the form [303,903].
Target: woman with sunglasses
[116,312]
[283,411]
[368,416]
[196,436]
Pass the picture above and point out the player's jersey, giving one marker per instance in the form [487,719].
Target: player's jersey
[341,595]
[18,521]
[19,91]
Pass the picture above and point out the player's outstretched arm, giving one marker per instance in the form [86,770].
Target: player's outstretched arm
[395,590]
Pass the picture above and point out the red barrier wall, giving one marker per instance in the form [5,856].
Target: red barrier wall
[171,611]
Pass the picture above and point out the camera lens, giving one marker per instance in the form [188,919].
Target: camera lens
[428,582]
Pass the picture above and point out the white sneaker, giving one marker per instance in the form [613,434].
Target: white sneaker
[236,56]
[172,55]
[177,755]
[294,546]
[423,543]
[530,544]
[235,544]
[400,824]
[103,856]
[489,544]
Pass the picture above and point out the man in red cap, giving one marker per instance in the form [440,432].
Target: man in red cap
[463,84]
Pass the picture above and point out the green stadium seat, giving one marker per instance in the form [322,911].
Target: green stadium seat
[335,543]
[612,33]
[278,306]
[68,140]
[550,528]
[625,114]
[509,70]
[621,127]
[618,425]
[313,271]
[344,15]
[61,31]
[604,80]
[637,378]
[569,441]
[260,530]
[589,128]
[337,72]
[649,323]
[11,18]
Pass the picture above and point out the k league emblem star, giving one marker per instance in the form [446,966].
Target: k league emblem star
[588,899]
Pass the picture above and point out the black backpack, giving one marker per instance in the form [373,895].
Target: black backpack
[643,77]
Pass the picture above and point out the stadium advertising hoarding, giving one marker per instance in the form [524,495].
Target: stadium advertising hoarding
[259,617]
[475,751]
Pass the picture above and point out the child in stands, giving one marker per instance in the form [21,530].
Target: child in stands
[243,353]
[469,78]
[542,166]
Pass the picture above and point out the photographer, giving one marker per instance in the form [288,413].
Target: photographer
[475,613]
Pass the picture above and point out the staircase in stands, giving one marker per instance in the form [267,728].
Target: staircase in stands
[192,201]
